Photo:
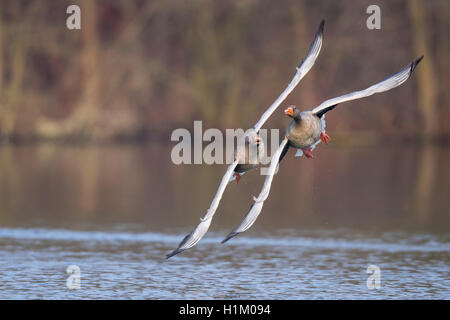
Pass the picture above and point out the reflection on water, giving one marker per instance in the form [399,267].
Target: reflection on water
[116,210]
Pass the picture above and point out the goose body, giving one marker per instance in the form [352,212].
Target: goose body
[304,131]
[244,167]
[248,154]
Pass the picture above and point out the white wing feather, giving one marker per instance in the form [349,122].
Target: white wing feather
[391,82]
[192,238]
[257,206]
[302,70]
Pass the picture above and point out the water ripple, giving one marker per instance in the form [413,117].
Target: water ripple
[427,243]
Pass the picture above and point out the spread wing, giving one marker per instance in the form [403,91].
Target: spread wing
[192,238]
[391,82]
[257,206]
[302,70]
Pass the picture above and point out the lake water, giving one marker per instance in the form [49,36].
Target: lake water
[115,211]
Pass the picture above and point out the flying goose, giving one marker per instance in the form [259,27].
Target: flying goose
[238,166]
[249,154]
[306,130]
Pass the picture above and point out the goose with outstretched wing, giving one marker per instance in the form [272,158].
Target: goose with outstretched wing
[239,165]
[307,129]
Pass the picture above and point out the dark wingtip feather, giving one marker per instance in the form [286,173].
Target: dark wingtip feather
[322,24]
[415,63]
[322,112]
[174,252]
[231,235]
[283,153]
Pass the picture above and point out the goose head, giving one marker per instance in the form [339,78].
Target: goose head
[253,138]
[292,112]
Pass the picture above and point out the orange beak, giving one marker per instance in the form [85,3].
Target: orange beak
[289,111]
[257,139]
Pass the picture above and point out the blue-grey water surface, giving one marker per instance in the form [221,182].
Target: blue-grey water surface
[116,211]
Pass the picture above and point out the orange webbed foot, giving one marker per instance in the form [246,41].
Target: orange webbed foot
[325,138]
[308,153]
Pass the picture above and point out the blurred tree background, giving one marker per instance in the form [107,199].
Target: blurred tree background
[139,69]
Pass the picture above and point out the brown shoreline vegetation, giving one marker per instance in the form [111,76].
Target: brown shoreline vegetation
[137,70]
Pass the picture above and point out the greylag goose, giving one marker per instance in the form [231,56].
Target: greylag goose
[306,130]
[239,164]
[248,158]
